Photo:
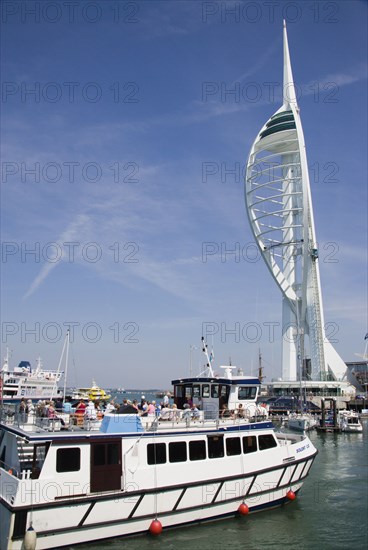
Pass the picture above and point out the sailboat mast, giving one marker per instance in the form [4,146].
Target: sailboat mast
[67,340]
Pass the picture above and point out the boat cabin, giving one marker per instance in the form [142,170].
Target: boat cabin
[214,394]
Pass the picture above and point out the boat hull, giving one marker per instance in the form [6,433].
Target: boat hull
[132,515]
[66,521]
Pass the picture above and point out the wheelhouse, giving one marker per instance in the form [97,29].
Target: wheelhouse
[213,394]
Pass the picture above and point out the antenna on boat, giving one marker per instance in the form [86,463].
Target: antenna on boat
[209,370]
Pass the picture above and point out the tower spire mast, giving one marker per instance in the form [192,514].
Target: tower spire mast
[288,90]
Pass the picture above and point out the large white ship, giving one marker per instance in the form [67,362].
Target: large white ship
[23,382]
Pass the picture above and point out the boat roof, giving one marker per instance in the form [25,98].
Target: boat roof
[234,381]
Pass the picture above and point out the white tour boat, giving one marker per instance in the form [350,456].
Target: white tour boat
[23,382]
[215,455]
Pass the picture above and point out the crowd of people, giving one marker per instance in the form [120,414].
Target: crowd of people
[95,410]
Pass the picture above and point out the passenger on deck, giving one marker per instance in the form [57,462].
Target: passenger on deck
[186,412]
[40,409]
[91,413]
[165,413]
[80,409]
[59,404]
[127,408]
[157,408]
[51,413]
[225,413]
[67,407]
[189,402]
[240,413]
[99,411]
[22,405]
[110,407]
[195,412]
[30,408]
[174,413]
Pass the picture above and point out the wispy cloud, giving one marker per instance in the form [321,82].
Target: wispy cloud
[71,233]
[356,74]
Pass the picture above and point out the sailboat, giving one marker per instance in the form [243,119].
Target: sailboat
[301,421]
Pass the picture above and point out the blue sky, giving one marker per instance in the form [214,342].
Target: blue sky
[123,151]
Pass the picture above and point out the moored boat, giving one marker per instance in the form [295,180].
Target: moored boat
[22,382]
[215,455]
[302,422]
[95,393]
[349,422]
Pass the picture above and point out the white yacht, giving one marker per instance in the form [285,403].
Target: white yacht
[349,421]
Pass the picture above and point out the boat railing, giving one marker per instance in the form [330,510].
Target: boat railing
[11,470]
[72,422]
[154,424]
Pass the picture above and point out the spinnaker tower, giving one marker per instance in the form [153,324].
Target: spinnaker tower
[279,206]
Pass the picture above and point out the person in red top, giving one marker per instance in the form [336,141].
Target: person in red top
[81,408]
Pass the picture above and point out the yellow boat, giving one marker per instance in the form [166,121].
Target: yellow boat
[95,393]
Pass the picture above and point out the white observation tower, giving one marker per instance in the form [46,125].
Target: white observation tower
[279,207]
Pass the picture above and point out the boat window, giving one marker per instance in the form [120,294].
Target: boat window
[188,392]
[205,390]
[68,460]
[224,390]
[196,390]
[266,442]
[249,444]
[112,453]
[215,390]
[247,392]
[215,446]
[99,454]
[156,453]
[179,391]
[39,455]
[233,446]
[197,450]
[178,452]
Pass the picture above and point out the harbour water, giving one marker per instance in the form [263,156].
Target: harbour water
[330,511]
